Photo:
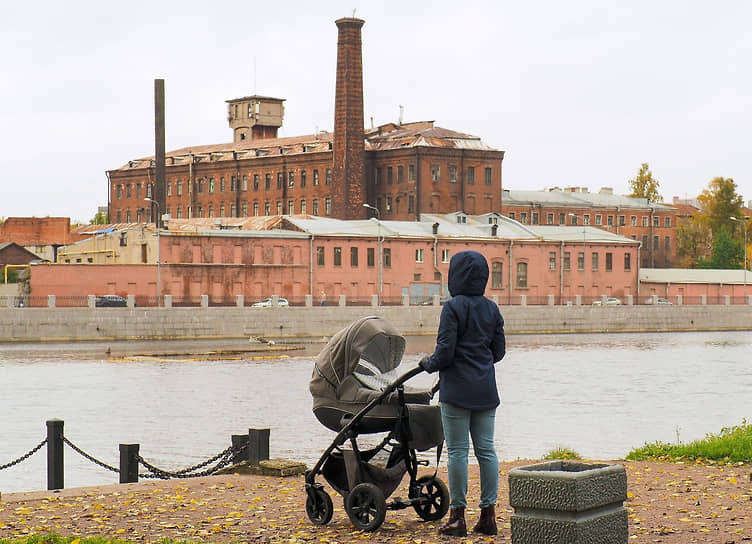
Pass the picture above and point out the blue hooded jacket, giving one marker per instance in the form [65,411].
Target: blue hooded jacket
[470,339]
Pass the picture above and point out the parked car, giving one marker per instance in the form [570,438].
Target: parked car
[110,301]
[610,301]
[267,303]
[658,300]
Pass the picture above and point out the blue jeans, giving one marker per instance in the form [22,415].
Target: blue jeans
[460,425]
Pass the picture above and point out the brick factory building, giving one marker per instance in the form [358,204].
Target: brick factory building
[402,169]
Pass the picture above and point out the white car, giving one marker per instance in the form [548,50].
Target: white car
[267,303]
[610,301]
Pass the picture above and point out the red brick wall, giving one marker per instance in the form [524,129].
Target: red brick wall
[36,231]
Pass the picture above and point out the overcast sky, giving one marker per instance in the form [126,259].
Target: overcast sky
[578,93]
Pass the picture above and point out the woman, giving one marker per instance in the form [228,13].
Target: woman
[469,343]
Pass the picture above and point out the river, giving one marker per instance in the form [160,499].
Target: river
[601,395]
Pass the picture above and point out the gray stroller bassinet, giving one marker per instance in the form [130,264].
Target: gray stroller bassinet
[356,390]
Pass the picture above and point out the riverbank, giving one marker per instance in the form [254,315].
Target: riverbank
[667,502]
[312,323]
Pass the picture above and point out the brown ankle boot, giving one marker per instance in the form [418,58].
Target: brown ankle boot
[456,524]
[487,523]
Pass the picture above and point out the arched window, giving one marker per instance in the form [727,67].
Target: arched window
[522,275]
[497,273]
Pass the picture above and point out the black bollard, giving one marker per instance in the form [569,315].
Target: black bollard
[258,446]
[128,463]
[239,442]
[55,478]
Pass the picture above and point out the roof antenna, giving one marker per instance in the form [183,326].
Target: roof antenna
[354,12]
[254,74]
[402,113]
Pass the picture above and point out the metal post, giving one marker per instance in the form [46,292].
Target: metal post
[158,224]
[379,245]
[55,444]
[128,463]
[258,446]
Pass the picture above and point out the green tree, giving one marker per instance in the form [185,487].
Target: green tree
[727,252]
[720,201]
[99,219]
[694,241]
[644,185]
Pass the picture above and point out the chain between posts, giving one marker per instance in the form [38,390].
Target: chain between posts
[25,456]
[223,459]
[89,457]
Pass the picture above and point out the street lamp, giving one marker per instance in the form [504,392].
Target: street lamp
[744,228]
[379,244]
[159,271]
[584,259]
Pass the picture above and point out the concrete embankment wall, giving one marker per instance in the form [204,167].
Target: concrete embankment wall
[63,324]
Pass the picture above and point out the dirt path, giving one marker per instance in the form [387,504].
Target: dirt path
[668,503]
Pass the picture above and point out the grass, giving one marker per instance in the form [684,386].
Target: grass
[562,453]
[731,445]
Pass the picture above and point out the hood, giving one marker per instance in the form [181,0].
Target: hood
[468,274]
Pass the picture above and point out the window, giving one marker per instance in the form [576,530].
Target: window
[418,255]
[549,219]
[290,207]
[302,178]
[303,207]
[233,184]
[353,256]
[169,188]
[667,243]
[128,189]
[567,260]
[445,253]
[255,182]
[633,220]
[138,190]
[320,256]
[400,174]
[552,260]
[535,218]
[562,219]
[656,221]
[586,219]
[222,210]
[387,253]
[644,220]
[328,176]
[179,212]
[315,177]
[211,185]
[255,209]
[211,210]
[580,260]
[410,203]
[435,172]
[389,204]
[328,206]
[410,172]
[370,257]
[622,220]
[488,182]
[599,220]
[337,256]
[267,181]
[594,261]
[511,215]
[291,179]
[656,242]
[267,208]
[609,262]
[200,211]
[180,188]
[389,175]
[222,184]
[279,207]
[245,182]
[280,180]
[377,176]
[522,275]
[523,217]
[645,241]
[627,261]
[496,275]
[315,206]
[667,221]
[574,219]
[610,220]
[471,175]
[452,174]
[233,209]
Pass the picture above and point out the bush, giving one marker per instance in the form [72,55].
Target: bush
[562,453]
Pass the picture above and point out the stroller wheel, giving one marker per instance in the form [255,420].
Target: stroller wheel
[366,506]
[430,498]
[319,506]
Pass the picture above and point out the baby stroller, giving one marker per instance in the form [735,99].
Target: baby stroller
[356,391]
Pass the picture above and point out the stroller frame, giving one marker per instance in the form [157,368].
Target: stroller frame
[365,502]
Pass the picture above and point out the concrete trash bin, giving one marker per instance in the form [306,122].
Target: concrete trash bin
[568,502]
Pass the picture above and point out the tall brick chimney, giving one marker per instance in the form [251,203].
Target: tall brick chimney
[349,190]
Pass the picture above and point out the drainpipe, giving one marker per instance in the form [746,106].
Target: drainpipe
[193,190]
[109,199]
[639,247]
[617,220]
[561,273]
[310,265]
[651,246]
[418,192]
[509,295]
[435,227]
